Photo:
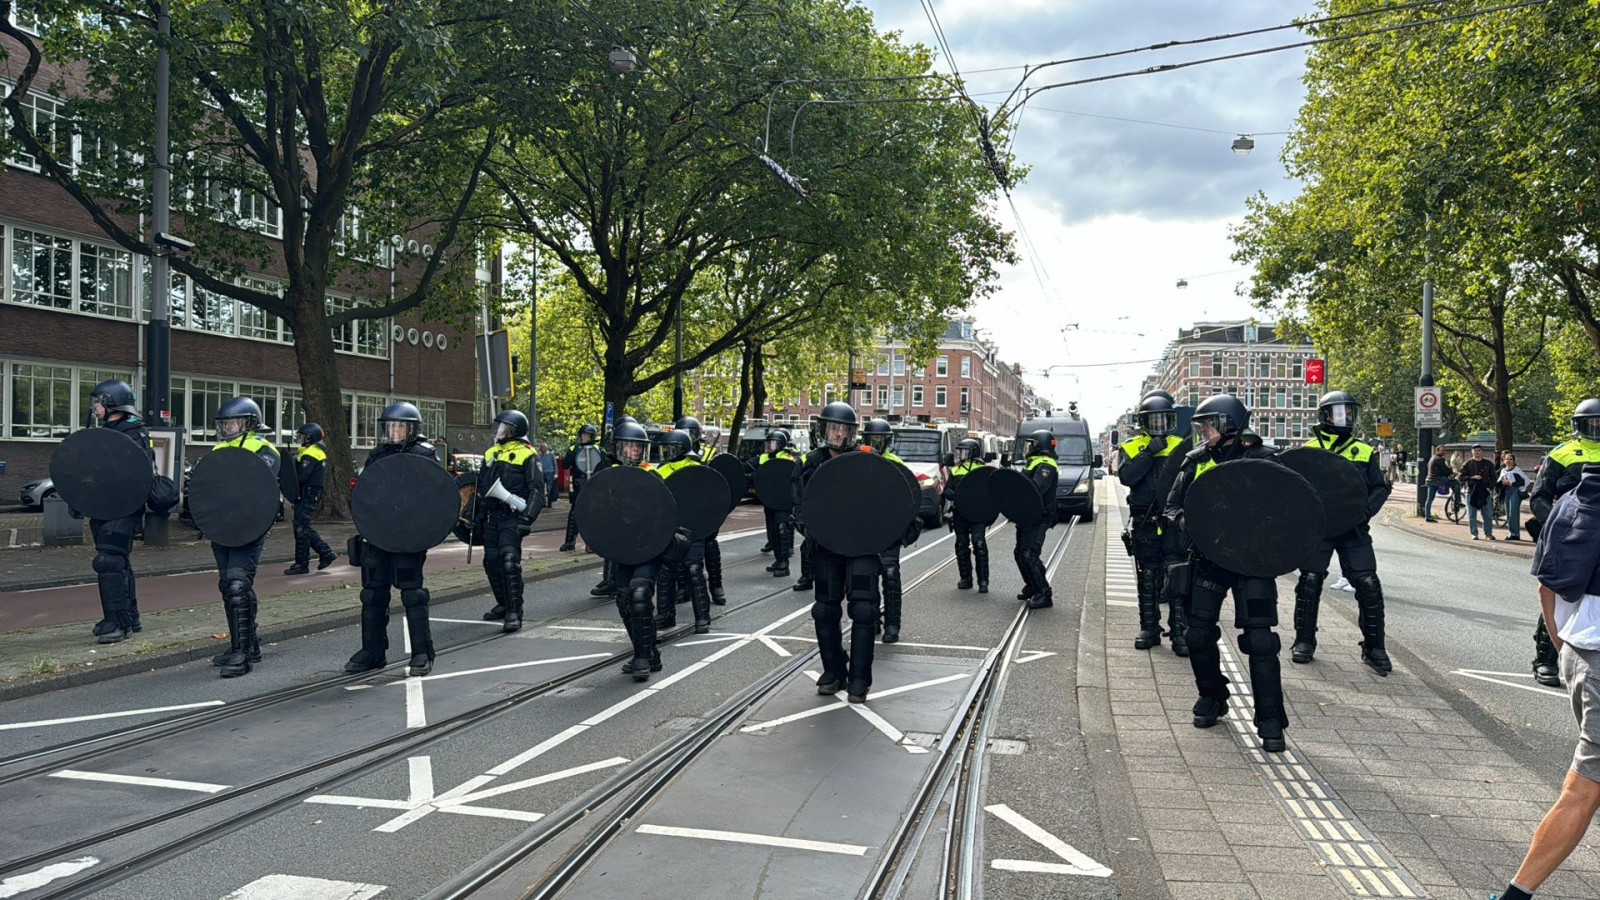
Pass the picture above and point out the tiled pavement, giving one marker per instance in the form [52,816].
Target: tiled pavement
[1385,791]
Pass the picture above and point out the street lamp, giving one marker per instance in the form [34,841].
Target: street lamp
[1243,144]
[623,61]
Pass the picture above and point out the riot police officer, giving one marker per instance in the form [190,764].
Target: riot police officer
[689,573]
[587,435]
[401,425]
[1559,473]
[878,436]
[972,542]
[311,471]
[840,577]
[1218,421]
[512,463]
[113,404]
[236,566]
[636,583]
[704,451]
[1139,463]
[1336,420]
[1039,451]
[780,531]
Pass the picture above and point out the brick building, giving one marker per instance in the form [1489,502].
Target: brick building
[1250,361]
[73,310]
[965,382]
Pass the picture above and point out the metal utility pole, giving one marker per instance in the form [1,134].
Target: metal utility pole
[677,378]
[158,335]
[1425,435]
[533,352]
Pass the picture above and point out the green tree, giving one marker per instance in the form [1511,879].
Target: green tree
[352,121]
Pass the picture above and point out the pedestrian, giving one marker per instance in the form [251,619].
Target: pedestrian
[1565,563]
[1438,477]
[547,466]
[1513,484]
[1478,475]
[1398,461]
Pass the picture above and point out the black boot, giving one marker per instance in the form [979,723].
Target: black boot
[862,638]
[1207,710]
[1149,610]
[1177,628]
[714,572]
[326,559]
[1042,598]
[806,581]
[299,568]
[421,636]
[644,630]
[233,638]
[1546,661]
[374,638]
[980,560]
[1307,604]
[699,599]
[607,586]
[1369,607]
[666,598]
[236,661]
[963,562]
[891,603]
[492,570]
[514,590]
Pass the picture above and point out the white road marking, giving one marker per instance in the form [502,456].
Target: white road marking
[1128,603]
[299,887]
[140,780]
[611,763]
[709,639]
[586,628]
[806,714]
[27,881]
[775,646]
[1077,862]
[1521,687]
[12,726]
[496,624]
[538,750]
[811,640]
[876,721]
[416,704]
[765,840]
[520,665]
[1028,656]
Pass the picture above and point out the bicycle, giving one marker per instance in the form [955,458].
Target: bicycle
[1455,508]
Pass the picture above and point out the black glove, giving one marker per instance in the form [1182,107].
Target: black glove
[912,532]
[1149,448]
[952,523]
[525,523]
[677,548]
[798,523]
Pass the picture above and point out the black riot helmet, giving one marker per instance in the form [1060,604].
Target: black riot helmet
[691,426]
[1040,443]
[675,445]
[1248,438]
[115,395]
[632,443]
[627,420]
[310,433]
[968,448]
[400,421]
[590,432]
[512,424]
[237,416]
[878,434]
[836,427]
[1223,412]
[1585,419]
[1158,392]
[777,440]
[1336,412]
[1157,416]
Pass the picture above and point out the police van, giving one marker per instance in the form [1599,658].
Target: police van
[1075,461]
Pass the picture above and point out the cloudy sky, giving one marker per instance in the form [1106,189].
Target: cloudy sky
[1115,212]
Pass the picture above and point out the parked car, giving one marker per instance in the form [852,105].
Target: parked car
[35,492]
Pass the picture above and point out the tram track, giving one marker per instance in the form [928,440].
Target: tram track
[609,807]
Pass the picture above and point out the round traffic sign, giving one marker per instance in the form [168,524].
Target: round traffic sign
[1428,399]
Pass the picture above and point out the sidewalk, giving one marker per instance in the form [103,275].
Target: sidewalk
[1386,790]
[1400,513]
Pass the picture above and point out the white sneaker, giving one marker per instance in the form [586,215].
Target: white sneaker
[1343,584]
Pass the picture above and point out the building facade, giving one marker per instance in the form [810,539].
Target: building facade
[964,383]
[1250,361]
[74,308]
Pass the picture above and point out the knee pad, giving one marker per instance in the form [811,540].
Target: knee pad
[109,563]
[863,612]
[1259,642]
[301,528]
[375,597]
[827,613]
[696,569]
[1203,633]
[235,585]
[1367,586]
[413,598]
[511,564]
[1020,554]
[1310,584]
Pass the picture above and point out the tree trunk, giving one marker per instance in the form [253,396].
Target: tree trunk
[319,385]
[619,378]
[758,382]
[739,410]
[1500,374]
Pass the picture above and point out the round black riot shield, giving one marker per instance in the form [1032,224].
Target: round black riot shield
[974,501]
[405,503]
[587,459]
[733,471]
[102,473]
[627,515]
[702,497]
[288,473]
[1254,517]
[1337,483]
[857,505]
[772,483]
[233,496]
[1016,497]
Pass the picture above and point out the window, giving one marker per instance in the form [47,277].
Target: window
[206,397]
[1216,365]
[210,311]
[1294,398]
[883,396]
[883,365]
[41,401]
[1264,367]
[1194,366]
[1194,397]
[1295,425]
[899,363]
[1294,368]
[939,395]
[1250,397]
[266,397]
[433,420]
[941,367]
[292,417]
[105,280]
[899,399]
[916,395]
[41,269]
[366,337]
[43,115]
[227,191]
[87,379]
[1277,427]
[254,321]
[349,239]
[364,423]
[1282,400]
[965,405]
[966,367]
[1233,367]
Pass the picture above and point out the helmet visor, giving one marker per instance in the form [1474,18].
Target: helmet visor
[838,435]
[232,428]
[879,442]
[671,451]
[774,445]
[631,453]
[1340,415]
[1587,427]
[1160,424]
[397,432]
[504,432]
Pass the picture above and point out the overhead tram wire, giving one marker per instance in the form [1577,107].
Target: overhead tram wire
[1313,42]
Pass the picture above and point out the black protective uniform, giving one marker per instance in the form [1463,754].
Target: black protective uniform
[1140,460]
[780,527]
[1029,551]
[972,542]
[577,480]
[381,570]
[1255,612]
[311,469]
[113,543]
[236,576]
[704,452]
[839,578]
[514,463]
[1559,473]
[685,577]
[1356,560]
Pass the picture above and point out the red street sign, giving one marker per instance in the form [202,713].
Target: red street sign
[1313,371]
